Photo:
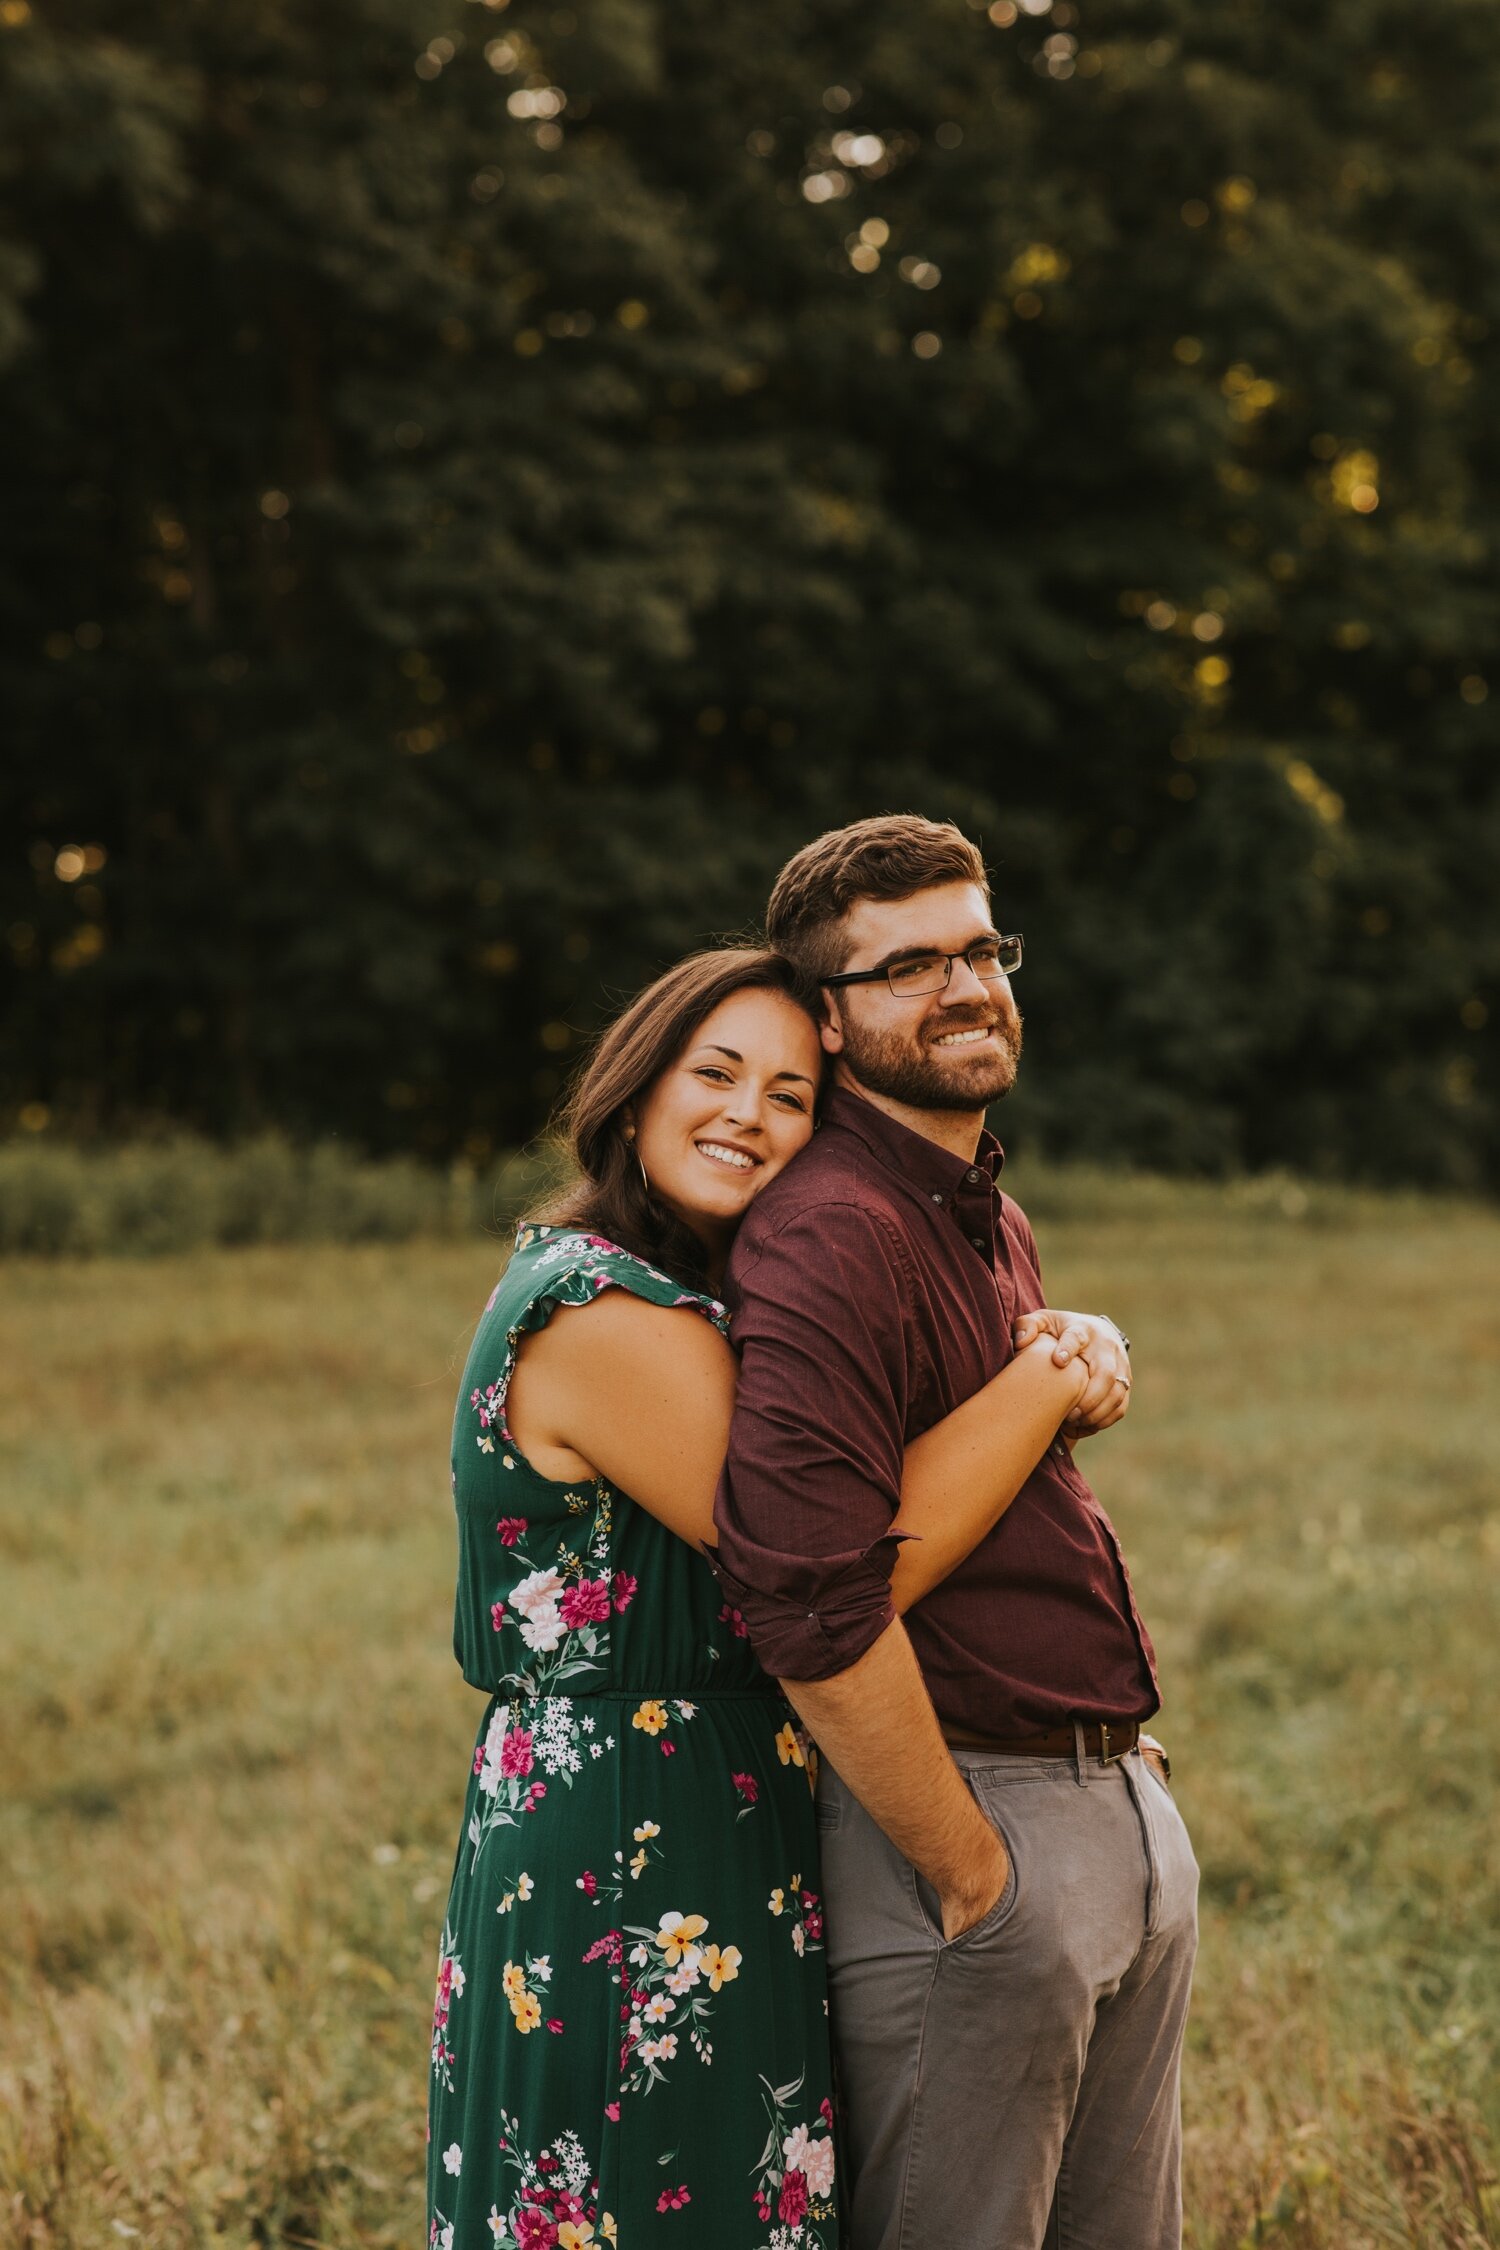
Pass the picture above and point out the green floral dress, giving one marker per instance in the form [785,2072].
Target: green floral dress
[630,2040]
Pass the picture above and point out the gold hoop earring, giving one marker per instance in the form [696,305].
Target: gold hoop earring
[640,1160]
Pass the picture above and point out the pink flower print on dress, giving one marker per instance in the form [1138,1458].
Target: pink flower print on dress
[486,1405]
[748,1787]
[624,1589]
[735,1622]
[534,2230]
[791,2204]
[812,2160]
[587,1603]
[511,1528]
[515,1754]
[673,2199]
[497,1615]
[537,1599]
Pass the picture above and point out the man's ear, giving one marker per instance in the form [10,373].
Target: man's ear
[831,1029]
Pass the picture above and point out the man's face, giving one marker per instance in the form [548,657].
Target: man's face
[955,1049]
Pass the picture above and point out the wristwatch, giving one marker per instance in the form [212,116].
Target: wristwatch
[1119,1331]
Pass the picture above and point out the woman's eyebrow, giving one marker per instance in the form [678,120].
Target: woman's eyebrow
[709,1048]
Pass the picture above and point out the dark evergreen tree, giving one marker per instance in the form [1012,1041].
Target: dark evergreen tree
[484,482]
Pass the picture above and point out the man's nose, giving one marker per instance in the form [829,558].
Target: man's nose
[963,985]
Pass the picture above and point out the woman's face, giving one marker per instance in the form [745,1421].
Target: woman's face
[730,1112]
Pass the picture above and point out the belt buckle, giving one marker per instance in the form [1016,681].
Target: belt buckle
[1108,1757]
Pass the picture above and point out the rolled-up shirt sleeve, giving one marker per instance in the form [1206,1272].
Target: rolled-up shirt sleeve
[813,1476]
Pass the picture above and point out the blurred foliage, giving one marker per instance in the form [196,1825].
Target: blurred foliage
[150,1199]
[153,1198]
[485,482]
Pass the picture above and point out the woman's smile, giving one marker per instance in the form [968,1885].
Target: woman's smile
[719,1152]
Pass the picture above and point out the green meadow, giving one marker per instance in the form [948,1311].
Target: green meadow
[235,1743]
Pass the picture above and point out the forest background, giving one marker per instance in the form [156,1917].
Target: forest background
[484,482]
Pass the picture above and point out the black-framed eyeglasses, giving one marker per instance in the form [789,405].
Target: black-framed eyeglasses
[931,972]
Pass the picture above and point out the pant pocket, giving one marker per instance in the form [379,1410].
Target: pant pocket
[929,1906]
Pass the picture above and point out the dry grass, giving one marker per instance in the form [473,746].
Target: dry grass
[234,1740]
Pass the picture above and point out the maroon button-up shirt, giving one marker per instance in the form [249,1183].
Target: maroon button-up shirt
[872,1289]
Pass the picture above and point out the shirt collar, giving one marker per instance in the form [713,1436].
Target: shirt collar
[935,1172]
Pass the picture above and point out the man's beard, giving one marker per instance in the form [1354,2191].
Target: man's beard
[885,1063]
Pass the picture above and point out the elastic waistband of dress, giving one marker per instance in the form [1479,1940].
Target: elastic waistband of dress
[767,1694]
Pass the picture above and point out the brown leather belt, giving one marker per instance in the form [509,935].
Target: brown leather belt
[1105,1740]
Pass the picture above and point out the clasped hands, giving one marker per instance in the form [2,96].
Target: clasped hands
[1101,1347]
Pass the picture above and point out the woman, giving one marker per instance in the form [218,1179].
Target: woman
[630,2040]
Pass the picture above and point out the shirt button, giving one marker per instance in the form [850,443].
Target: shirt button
[972,1178]
[937,1199]
[979,1241]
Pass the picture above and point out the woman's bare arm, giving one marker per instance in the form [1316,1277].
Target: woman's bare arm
[643,1394]
[963,1473]
[639,1393]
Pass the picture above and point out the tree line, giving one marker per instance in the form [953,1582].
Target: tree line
[484,482]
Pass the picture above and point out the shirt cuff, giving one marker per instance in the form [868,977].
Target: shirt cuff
[825,1611]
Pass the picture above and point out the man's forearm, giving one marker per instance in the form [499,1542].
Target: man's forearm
[876,1725]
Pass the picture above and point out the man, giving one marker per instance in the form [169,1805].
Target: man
[1011,1891]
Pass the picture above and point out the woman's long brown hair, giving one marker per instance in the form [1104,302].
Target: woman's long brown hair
[610,1196]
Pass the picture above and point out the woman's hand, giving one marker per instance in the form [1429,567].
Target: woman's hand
[1095,1341]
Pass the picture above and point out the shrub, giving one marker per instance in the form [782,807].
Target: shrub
[151,1198]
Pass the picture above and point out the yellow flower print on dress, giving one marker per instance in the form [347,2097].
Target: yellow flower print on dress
[788,1748]
[527,2011]
[651,1717]
[513,1980]
[720,1968]
[675,1935]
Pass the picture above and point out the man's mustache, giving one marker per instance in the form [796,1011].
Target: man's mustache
[989,1019]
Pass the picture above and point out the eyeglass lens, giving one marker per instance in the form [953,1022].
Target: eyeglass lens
[931,974]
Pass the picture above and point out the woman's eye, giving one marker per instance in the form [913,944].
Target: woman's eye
[792,1102]
[712,1070]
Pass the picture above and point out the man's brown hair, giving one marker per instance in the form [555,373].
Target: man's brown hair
[890,856]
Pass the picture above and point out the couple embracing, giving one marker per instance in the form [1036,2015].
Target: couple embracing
[813,1757]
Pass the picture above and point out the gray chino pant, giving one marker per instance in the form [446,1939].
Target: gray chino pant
[1017,2088]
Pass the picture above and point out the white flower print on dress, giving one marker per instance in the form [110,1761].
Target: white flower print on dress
[536,1599]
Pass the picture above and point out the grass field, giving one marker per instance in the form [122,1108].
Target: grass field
[234,1741]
